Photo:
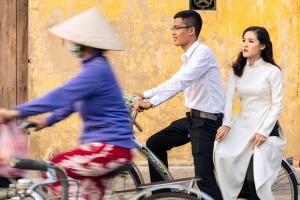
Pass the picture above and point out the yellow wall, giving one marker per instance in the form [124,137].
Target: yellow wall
[151,57]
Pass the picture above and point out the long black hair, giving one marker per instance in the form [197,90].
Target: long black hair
[267,53]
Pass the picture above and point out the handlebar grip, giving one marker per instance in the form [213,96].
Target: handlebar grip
[26,125]
[30,164]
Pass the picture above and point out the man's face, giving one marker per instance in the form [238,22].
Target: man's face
[181,33]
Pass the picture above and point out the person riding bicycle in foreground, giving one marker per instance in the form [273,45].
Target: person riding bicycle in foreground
[106,136]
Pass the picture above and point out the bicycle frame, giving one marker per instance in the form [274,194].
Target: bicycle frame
[149,155]
[153,160]
[173,186]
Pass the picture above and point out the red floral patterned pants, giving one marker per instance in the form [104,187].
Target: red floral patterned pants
[86,164]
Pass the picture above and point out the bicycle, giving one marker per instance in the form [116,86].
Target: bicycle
[24,188]
[286,184]
[128,183]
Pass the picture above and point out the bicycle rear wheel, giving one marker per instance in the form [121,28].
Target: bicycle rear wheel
[285,186]
[171,196]
[125,184]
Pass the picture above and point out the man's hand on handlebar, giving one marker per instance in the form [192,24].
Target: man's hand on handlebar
[139,106]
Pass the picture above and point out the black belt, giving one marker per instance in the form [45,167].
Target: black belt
[197,113]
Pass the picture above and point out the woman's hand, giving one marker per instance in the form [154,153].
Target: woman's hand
[222,132]
[257,139]
[40,123]
[8,115]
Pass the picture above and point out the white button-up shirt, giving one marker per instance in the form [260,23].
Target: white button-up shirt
[199,77]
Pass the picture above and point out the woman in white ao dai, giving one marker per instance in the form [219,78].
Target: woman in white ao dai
[249,147]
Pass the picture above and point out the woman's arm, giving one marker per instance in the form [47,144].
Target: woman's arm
[59,114]
[276,107]
[229,98]
[83,85]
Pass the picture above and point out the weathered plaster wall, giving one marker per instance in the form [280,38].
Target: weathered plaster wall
[151,57]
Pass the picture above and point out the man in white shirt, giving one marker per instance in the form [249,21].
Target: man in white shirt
[199,78]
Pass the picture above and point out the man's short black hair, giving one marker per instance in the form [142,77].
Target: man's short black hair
[191,18]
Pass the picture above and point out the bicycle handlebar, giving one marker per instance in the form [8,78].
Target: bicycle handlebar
[30,164]
[41,165]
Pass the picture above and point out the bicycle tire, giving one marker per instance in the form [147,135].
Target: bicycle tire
[127,180]
[286,183]
[171,196]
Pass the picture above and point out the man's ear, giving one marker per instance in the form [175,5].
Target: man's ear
[192,31]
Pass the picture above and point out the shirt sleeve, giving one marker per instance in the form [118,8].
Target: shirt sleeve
[185,77]
[276,108]
[229,98]
[79,87]
[59,114]
[155,91]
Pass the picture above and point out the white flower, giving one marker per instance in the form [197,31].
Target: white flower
[129,100]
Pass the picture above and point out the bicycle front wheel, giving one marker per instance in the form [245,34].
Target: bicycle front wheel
[285,186]
[171,196]
[125,184]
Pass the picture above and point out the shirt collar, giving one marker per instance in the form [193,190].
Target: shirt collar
[257,63]
[92,57]
[185,56]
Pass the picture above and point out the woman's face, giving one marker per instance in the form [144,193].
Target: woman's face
[251,47]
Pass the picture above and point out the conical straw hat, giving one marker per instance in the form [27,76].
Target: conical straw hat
[89,28]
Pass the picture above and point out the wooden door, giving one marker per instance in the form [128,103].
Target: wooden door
[13,52]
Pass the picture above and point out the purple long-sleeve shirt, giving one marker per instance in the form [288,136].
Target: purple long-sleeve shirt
[98,99]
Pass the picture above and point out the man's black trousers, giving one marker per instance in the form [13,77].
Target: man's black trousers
[201,132]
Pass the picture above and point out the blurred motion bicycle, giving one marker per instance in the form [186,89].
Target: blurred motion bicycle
[125,183]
